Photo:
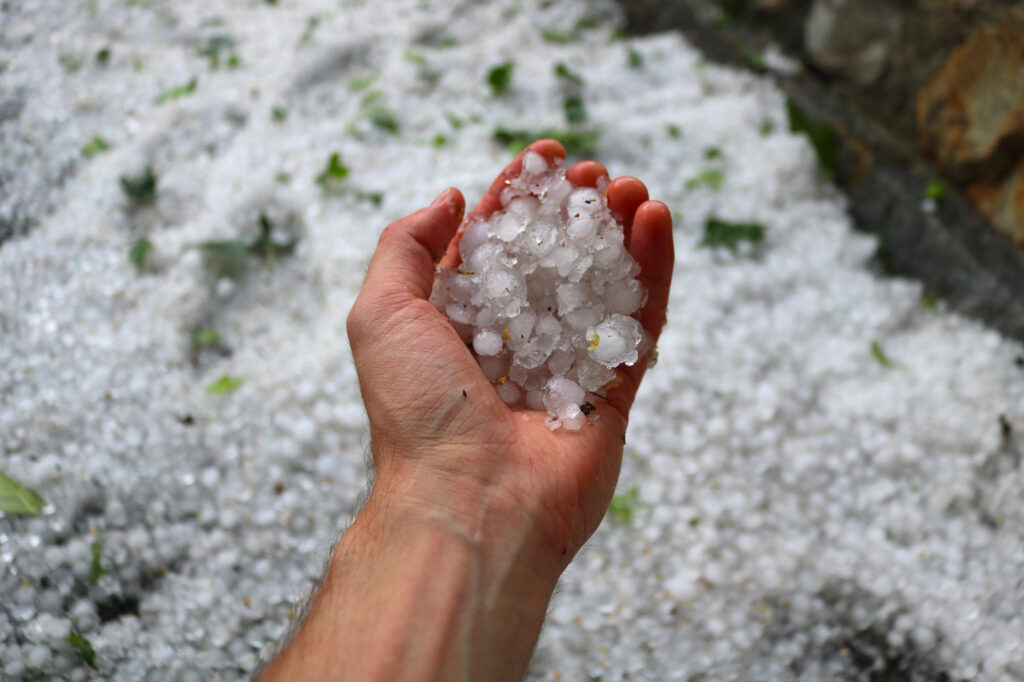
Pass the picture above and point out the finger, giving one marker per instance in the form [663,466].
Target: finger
[652,248]
[409,247]
[586,174]
[491,202]
[625,195]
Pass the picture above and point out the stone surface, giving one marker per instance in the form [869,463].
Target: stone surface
[1003,204]
[970,117]
[852,39]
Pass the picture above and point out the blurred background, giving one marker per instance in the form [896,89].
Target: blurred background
[822,476]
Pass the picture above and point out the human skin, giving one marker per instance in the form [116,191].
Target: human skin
[476,508]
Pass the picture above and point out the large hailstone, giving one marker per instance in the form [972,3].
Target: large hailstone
[544,294]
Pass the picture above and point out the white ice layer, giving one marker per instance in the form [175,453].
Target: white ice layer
[545,292]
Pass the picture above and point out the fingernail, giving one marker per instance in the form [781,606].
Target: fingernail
[443,197]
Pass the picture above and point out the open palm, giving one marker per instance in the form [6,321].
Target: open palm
[435,419]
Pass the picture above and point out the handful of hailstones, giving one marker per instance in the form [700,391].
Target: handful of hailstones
[545,292]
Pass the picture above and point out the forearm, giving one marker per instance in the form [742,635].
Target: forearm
[453,587]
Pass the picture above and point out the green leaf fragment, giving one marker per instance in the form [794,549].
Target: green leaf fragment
[929,301]
[575,110]
[712,153]
[634,59]
[375,198]
[565,73]
[500,77]
[17,499]
[415,57]
[935,191]
[730,235]
[576,142]
[265,246]
[711,178]
[623,506]
[454,121]
[767,127]
[449,41]
[95,145]
[205,337]
[553,36]
[224,248]
[278,114]
[141,188]
[383,118]
[139,252]
[821,136]
[96,571]
[224,385]
[335,171]
[177,91]
[879,354]
[361,83]
[439,140]
[83,647]
[673,130]
[214,46]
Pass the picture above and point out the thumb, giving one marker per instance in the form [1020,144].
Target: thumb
[409,247]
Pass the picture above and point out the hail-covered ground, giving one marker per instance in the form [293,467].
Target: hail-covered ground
[822,477]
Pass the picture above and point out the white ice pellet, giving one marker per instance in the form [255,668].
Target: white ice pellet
[486,342]
[546,287]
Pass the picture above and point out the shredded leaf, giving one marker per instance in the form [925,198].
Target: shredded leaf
[204,337]
[553,36]
[95,145]
[712,178]
[724,233]
[564,72]
[575,110]
[821,136]
[214,46]
[17,499]
[623,506]
[712,153]
[358,84]
[83,647]
[880,356]
[383,118]
[97,571]
[226,384]
[141,188]
[673,130]
[935,191]
[439,140]
[577,143]
[177,91]
[375,198]
[454,121]
[634,59]
[139,252]
[335,171]
[415,57]
[500,77]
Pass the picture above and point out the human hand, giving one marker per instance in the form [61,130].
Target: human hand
[477,508]
[441,438]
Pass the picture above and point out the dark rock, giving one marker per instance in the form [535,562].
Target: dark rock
[852,39]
